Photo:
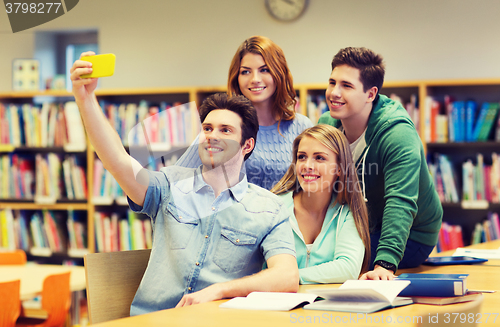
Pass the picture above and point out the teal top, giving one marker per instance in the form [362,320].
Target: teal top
[402,200]
[338,251]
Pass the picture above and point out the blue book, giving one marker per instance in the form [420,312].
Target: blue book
[8,118]
[470,115]
[434,284]
[21,124]
[458,116]
[462,120]
[454,123]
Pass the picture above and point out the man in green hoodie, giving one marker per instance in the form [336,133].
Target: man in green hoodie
[403,206]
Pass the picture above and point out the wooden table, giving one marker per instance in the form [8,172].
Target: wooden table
[493,245]
[481,276]
[32,276]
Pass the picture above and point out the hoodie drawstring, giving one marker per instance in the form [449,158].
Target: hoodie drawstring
[362,162]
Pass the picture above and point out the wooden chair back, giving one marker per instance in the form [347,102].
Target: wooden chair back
[16,257]
[10,304]
[112,281]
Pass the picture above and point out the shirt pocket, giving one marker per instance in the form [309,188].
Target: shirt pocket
[234,249]
[180,226]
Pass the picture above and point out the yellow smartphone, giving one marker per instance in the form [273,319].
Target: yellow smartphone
[102,65]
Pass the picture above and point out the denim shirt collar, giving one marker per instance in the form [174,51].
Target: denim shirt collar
[238,191]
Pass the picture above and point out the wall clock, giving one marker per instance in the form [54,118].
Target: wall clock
[286,10]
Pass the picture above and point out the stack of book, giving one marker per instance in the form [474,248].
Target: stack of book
[488,230]
[17,176]
[45,178]
[42,232]
[460,121]
[450,237]
[444,178]
[481,182]
[172,124]
[46,126]
[365,296]
[77,234]
[115,233]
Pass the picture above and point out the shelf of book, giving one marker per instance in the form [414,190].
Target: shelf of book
[470,147]
[17,144]
[22,205]
[462,138]
[413,94]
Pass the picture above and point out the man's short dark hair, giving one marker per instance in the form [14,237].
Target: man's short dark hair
[239,105]
[370,65]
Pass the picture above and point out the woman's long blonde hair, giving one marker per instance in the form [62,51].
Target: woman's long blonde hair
[284,96]
[350,191]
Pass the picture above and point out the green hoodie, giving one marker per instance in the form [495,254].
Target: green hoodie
[402,200]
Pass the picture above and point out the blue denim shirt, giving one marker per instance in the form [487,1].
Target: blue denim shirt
[199,240]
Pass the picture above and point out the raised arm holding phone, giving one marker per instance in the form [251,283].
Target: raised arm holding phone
[212,229]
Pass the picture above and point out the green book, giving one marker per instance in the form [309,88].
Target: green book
[489,122]
[131,218]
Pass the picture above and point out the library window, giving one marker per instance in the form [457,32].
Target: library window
[57,51]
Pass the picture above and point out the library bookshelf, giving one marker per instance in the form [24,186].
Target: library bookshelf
[91,204]
[412,94]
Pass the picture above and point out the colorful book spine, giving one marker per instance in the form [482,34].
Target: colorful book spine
[493,217]
[448,105]
[495,178]
[450,237]
[470,114]
[479,180]
[485,131]
[451,192]
[458,116]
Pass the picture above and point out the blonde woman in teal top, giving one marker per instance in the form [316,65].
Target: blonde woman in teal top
[328,214]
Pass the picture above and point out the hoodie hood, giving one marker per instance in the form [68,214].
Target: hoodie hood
[382,120]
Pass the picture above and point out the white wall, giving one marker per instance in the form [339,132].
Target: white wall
[191,42]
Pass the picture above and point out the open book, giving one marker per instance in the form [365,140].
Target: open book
[363,296]
[270,301]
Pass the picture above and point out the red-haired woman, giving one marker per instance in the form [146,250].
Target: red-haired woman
[259,71]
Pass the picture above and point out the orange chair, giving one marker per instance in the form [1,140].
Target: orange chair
[10,305]
[16,257]
[56,300]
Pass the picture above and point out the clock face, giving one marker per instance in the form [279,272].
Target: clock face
[286,10]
